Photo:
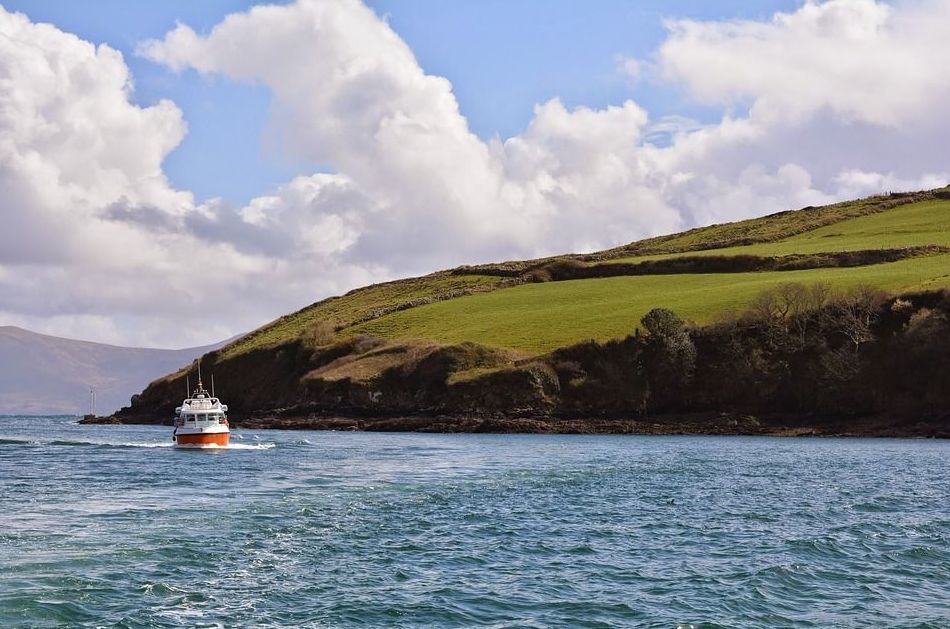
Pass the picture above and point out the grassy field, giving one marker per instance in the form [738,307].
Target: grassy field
[770,228]
[926,223]
[535,318]
[356,306]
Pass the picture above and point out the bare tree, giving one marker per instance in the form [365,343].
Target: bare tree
[789,311]
[854,313]
[806,311]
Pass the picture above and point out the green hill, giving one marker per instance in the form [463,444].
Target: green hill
[495,336]
[515,311]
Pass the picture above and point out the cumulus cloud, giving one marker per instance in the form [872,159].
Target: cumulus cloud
[71,143]
[350,93]
[865,61]
[837,99]
[835,88]
[94,237]
[809,94]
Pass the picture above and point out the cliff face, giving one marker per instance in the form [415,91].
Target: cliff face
[363,376]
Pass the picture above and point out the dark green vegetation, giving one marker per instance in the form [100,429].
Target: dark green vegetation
[785,317]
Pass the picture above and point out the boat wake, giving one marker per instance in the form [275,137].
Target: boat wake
[230,446]
[124,444]
[78,442]
[250,446]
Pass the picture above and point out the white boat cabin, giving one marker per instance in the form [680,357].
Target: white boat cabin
[201,410]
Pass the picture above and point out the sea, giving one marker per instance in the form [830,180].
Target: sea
[110,526]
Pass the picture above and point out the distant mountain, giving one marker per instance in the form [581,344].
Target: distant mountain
[48,375]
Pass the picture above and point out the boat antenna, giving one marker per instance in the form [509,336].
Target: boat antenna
[187,385]
[199,373]
[212,384]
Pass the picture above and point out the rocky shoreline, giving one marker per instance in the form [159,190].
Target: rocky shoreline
[724,424]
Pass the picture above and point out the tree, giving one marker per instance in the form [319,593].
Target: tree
[853,314]
[668,359]
[788,312]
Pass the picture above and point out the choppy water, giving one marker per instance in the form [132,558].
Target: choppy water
[108,526]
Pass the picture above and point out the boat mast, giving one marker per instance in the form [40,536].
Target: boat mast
[212,384]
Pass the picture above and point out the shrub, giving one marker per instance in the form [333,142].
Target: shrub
[319,334]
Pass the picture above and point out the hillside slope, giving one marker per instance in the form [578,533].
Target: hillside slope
[48,375]
[538,317]
[477,338]
[534,314]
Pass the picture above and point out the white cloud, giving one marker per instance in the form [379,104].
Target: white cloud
[857,183]
[350,93]
[71,143]
[834,88]
[864,60]
[94,238]
[835,100]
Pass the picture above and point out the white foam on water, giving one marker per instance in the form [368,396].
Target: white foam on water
[251,446]
[87,442]
[133,444]
[230,446]
[112,444]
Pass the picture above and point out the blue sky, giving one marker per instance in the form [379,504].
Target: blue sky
[502,57]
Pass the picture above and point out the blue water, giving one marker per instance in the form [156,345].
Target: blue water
[108,526]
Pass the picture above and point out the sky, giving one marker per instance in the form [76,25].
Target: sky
[174,173]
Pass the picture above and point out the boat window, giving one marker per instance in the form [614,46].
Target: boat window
[190,418]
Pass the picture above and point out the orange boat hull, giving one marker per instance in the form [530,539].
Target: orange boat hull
[204,440]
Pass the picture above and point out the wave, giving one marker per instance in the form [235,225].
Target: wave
[19,442]
[12,442]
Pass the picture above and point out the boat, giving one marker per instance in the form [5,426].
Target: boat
[201,421]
